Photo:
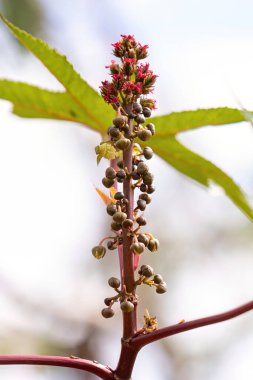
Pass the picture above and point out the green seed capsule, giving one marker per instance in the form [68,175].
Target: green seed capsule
[144,134]
[114,282]
[150,189]
[119,217]
[107,182]
[119,195]
[121,174]
[107,312]
[153,245]
[98,251]
[127,306]
[147,153]
[119,121]
[157,279]
[111,209]
[110,173]
[161,288]
[141,204]
[122,144]
[137,248]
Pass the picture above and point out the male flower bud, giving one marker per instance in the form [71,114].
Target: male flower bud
[110,173]
[147,153]
[137,248]
[114,282]
[119,121]
[127,306]
[146,270]
[98,251]
[107,312]
[144,134]
[153,245]
[161,288]
[119,217]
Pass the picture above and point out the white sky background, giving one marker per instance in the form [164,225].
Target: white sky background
[50,213]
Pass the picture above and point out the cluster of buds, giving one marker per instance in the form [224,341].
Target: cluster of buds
[127,300]
[127,93]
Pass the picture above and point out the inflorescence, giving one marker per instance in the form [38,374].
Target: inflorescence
[128,93]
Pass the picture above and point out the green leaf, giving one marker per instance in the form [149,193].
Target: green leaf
[86,98]
[34,102]
[176,122]
[199,169]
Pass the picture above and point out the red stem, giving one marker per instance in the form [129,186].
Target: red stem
[129,319]
[142,340]
[59,361]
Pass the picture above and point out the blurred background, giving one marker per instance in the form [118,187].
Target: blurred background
[51,288]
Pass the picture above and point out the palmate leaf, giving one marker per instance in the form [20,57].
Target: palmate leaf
[88,100]
[199,169]
[34,102]
[177,122]
[82,104]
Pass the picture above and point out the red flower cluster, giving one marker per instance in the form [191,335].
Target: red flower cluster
[130,80]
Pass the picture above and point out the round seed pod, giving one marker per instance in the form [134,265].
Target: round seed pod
[147,271]
[120,164]
[161,288]
[135,176]
[131,115]
[114,132]
[143,187]
[141,221]
[110,173]
[114,282]
[148,178]
[125,129]
[147,153]
[141,204]
[151,128]
[111,209]
[107,182]
[122,144]
[119,121]
[140,119]
[98,251]
[143,239]
[153,245]
[158,279]
[107,312]
[150,189]
[116,226]
[137,108]
[142,168]
[121,174]
[128,223]
[107,301]
[119,217]
[127,306]
[111,245]
[144,134]
[146,112]
[145,197]
[119,195]
[137,248]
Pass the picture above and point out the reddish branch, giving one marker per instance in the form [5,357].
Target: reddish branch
[143,340]
[59,361]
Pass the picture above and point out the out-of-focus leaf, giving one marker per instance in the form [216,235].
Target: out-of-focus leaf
[27,14]
[176,122]
[199,169]
[88,100]
[34,102]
